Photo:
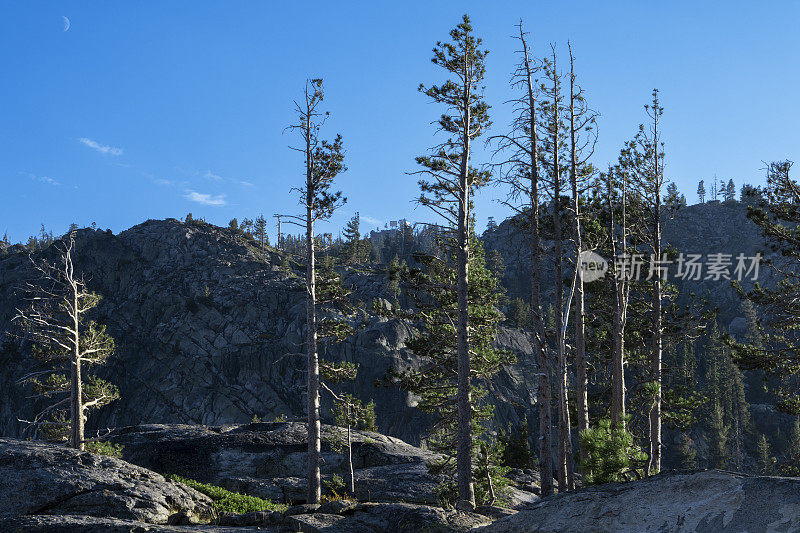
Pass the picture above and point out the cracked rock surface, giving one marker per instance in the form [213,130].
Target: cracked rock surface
[45,479]
[711,501]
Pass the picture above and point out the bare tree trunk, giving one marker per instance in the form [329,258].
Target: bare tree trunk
[655,412]
[490,484]
[314,429]
[464,398]
[654,463]
[77,387]
[564,438]
[617,368]
[544,399]
[352,480]
[580,328]
[618,319]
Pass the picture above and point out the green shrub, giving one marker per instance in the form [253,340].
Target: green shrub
[226,501]
[105,448]
[516,446]
[608,455]
[334,488]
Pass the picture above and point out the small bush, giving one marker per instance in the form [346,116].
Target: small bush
[334,488]
[226,501]
[105,448]
[516,446]
[608,455]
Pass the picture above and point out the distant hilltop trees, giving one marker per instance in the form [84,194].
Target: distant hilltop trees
[720,190]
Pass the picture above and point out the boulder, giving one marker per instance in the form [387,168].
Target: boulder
[46,479]
[389,518]
[93,524]
[269,459]
[711,501]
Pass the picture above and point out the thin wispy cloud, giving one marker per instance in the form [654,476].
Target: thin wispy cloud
[48,180]
[372,221]
[102,148]
[216,177]
[205,199]
[43,179]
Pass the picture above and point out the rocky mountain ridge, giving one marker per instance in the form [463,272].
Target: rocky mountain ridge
[209,327]
[209,330]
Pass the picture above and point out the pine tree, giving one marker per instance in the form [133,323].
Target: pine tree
[447,188]
[686,452]
[645,160]
[349,412]
[701,192]
[233,224]
[352,236]
[436,380]
[247,227]
[673,198]
[495,264]
[393,272]
[776,350]
[610,454]
[765,460]
[323,160]
[260,231]
[519,314]
[730,191]
[790,465]
[717,438]
[517,451]
[66,342]
[750,194]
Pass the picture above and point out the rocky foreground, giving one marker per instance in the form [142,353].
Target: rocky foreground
[49,488]
[711,501]
[45,487]
[268,460]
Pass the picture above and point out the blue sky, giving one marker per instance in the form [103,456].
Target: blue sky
[156,109]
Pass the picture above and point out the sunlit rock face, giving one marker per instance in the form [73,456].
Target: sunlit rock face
[709,501]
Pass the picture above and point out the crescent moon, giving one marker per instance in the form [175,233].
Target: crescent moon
[66,23]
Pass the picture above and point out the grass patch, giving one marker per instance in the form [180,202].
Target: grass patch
[105,448]
[226,501]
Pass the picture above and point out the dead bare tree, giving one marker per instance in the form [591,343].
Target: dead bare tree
[554,136]
[617,185]
[583,137]
[55,321]
[324,160]
[518,154]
